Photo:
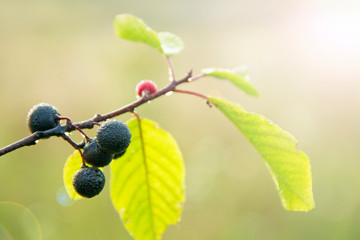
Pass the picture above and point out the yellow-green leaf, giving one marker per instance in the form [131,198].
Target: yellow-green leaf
[239,80]
[147,183]
[72,165]
[132,28]
[289,167]
[170,43]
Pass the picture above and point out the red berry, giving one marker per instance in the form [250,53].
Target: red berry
[145,87]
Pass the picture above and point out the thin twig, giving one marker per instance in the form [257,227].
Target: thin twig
[171,69]
[71,142]
[196,77]
[191,93]
[69,122]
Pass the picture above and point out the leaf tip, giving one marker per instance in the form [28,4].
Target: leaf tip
[171,44]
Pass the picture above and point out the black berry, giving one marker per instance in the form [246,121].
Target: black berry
[42,117]
[113,136]
[94,156]
[88,181]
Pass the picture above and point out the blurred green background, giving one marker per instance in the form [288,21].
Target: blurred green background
[303,56]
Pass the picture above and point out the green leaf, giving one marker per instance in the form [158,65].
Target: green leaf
[147,183]
[131,28]
[170,43]
[289,167]
[239,80]
[72,165]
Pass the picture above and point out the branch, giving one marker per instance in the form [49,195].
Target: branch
[60,130]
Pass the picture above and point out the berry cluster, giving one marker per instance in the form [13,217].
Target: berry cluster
[112,139]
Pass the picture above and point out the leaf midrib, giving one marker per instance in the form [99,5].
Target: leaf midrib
[147,179]
[290,187]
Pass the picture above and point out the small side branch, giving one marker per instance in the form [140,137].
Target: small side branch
[76,146]
[191,93]
[197,77]
[171,69]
